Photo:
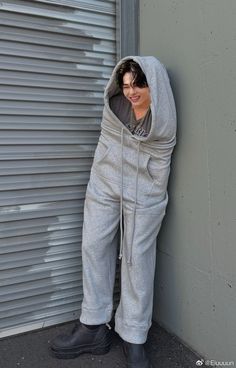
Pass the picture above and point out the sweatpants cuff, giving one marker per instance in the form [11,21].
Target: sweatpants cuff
[95,316]
[134,335]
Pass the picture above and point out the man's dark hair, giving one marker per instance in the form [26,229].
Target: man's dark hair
[130,66]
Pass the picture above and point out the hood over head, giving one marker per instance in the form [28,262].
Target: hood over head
[163,125]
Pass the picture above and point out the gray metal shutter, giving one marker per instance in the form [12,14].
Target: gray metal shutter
[55,59]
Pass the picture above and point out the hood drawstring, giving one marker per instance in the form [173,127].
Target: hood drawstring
[129,261]
[121,197]
[135,204]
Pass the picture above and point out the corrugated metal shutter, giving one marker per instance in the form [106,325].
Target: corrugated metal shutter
[55,59]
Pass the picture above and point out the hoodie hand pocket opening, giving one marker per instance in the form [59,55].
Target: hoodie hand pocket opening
[157,174]
[101,152]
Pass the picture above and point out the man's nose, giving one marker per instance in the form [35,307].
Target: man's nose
[132,89]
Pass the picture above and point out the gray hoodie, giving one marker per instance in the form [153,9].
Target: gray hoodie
[140,163]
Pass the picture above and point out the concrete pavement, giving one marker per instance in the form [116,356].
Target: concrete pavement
[30,350]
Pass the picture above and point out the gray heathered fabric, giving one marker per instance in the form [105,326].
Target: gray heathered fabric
[129,176]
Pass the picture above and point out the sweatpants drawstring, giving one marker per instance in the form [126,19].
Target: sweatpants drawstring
[121,197]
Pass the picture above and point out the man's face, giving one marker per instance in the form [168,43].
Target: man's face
[139,97]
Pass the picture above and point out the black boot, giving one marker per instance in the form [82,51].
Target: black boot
[82,340]
[135,355]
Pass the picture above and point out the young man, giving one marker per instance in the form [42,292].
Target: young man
[127,188]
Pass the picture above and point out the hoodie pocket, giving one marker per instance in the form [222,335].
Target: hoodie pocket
[106,161]
[101,152]
[158,173]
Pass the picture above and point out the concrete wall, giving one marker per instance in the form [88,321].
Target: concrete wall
[195,293]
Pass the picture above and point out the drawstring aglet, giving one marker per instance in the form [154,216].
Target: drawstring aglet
[108,326]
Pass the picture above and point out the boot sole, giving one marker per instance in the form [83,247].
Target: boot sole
[74,353]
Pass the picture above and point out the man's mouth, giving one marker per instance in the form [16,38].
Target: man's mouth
[134,99]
